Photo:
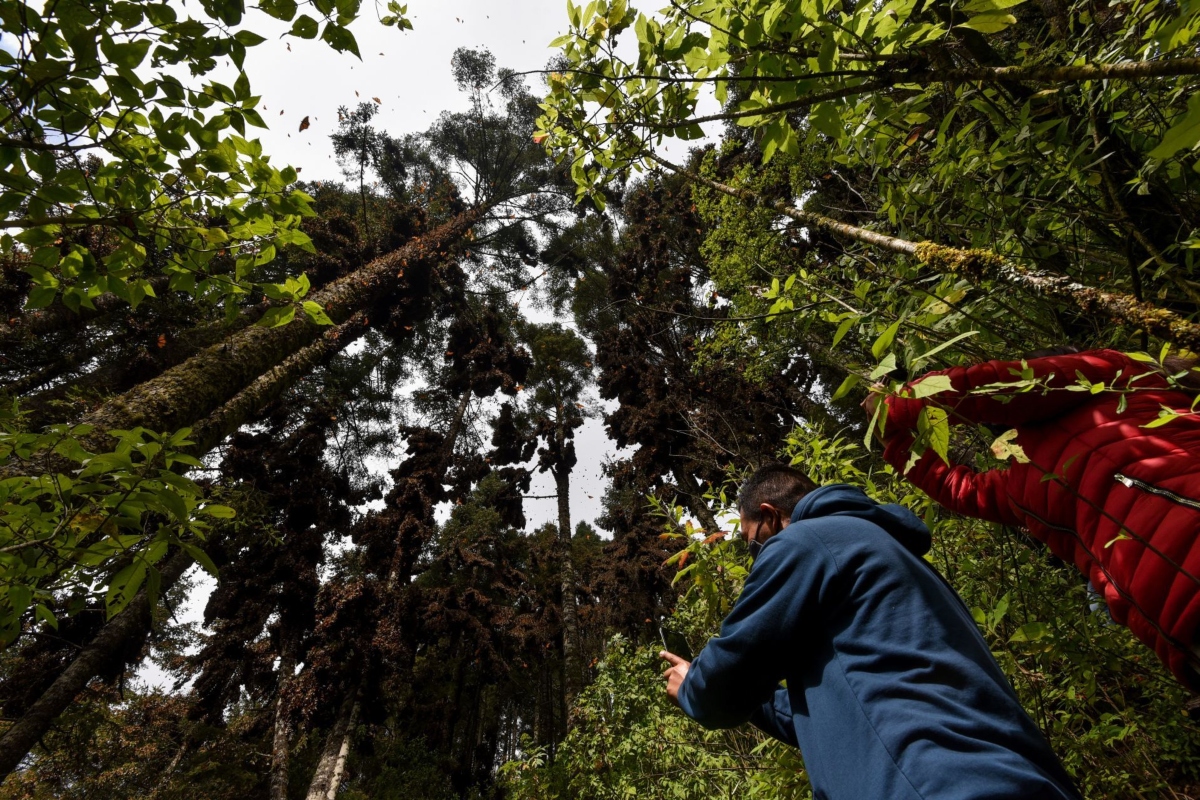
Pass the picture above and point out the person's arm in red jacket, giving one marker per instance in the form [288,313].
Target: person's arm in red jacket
[958,487]
[1012,406]
[961,488]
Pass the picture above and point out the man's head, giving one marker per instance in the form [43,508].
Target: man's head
[766,501]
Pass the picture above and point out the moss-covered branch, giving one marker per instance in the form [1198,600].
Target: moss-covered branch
[979,266]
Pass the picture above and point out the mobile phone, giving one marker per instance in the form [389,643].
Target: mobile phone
[675,642]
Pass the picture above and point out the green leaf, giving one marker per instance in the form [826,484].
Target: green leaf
[1030,632]
[125,54]
[842,330]
[977,6]
[1185,133]
[44,614]
[340,39]
[305,27]
[218,511]
[885,340]
[934,427]
[279,9]
[989,22]
[826,119]
[19,598]
[201,558]
[276,317]
[40,297]
[931,353]
[934,384]
[316,313]
[851,381]
[885,366]
[173,503]
[124,586]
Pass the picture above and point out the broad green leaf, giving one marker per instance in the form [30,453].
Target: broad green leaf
[826,119]
[218,511]
[934,384]
[1030,632]
[276,317]
[885,340]
[305,27]
[977,6]
[1183,134]
[989,22]
[849,383]
[316,313]
[934,427]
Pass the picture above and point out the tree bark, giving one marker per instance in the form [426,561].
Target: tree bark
[192,390]
[339,768]
[133,622]
[135,619]
[337,745]
[271,385]
[572,665]
[58,317]
[1124,70]
[978,266]
[281,743]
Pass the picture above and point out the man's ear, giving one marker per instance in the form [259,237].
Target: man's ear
[772,513]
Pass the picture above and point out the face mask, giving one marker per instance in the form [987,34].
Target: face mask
[755,547]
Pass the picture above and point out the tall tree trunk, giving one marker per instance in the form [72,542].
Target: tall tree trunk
[271,385]
[165,780]
[130,625]
[281,744]
[572,666]
[192,390]
[332,757]
[339,768]
[135,620]
[457,423]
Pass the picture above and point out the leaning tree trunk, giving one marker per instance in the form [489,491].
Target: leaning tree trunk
[337,747]
[129,625]
[572,665]
[978,266]
[339,768]
[135,620]
[281,742]
[165,779]
[194,389]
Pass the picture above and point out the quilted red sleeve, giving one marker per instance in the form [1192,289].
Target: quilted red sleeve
[958,487]
[1013,407]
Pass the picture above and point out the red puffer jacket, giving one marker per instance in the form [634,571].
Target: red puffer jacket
[1114,480]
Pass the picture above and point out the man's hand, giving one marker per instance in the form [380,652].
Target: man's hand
[674,674]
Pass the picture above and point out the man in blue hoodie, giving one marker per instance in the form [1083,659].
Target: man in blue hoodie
[892,693]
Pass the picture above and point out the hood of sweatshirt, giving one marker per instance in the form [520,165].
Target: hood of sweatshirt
[842,500]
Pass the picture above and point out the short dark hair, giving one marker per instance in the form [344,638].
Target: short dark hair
[777,484]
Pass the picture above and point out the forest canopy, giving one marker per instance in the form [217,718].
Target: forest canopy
[691,245]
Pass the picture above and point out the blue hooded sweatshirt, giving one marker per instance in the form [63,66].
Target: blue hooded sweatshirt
[892,693]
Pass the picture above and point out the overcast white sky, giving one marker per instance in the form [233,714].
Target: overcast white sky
[408,71]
